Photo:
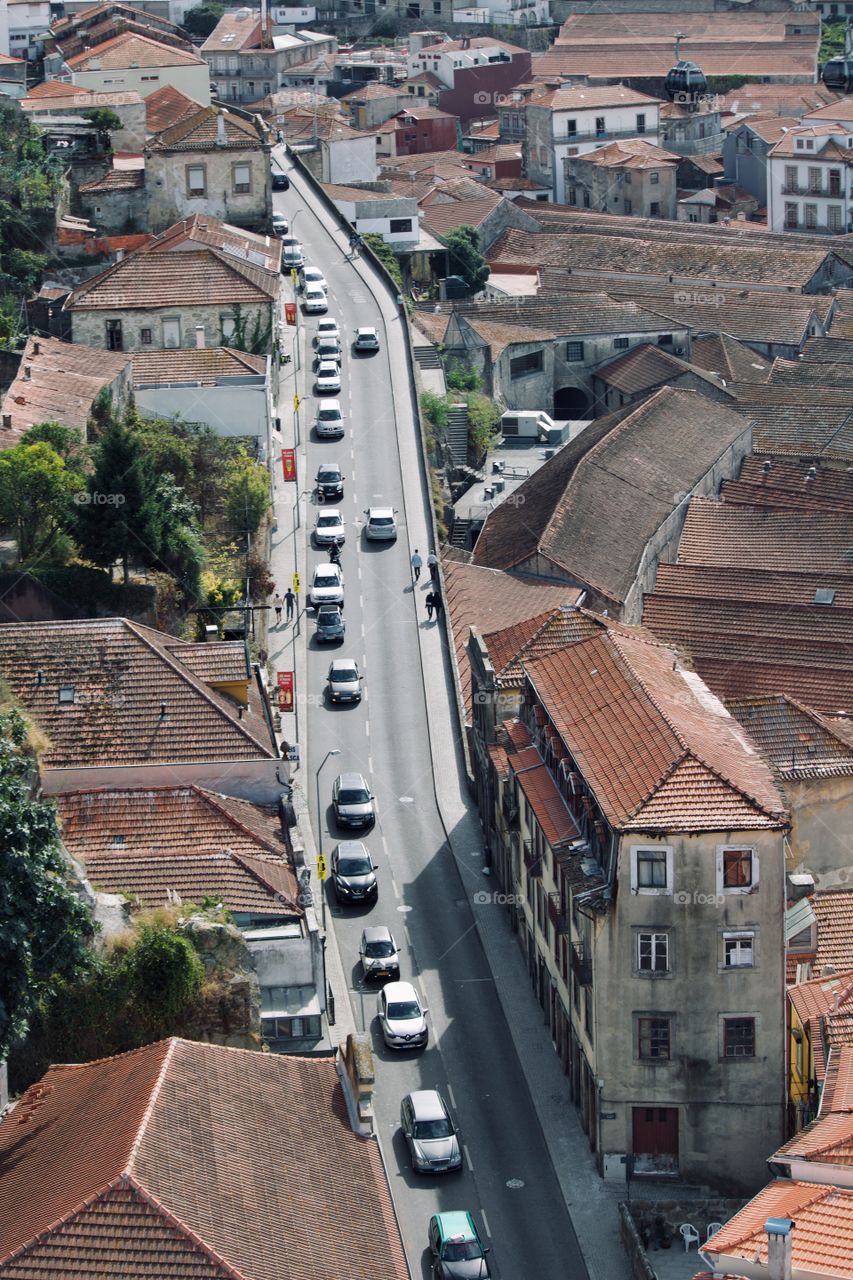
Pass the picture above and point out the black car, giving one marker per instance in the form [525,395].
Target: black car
[280,182]
[330,481]
[354,873]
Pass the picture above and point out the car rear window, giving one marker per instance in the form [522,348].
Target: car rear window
[353,795]
[378,950]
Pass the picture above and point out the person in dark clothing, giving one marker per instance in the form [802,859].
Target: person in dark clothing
[290,602]
[437,603]
[430,604]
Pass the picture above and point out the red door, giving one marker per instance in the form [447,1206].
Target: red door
[655,1139]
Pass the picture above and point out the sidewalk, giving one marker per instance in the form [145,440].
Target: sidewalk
[592,1203]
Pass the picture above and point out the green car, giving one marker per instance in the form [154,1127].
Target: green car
[456,1250]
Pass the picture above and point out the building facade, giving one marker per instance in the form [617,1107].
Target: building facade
[810,180]
[633,178]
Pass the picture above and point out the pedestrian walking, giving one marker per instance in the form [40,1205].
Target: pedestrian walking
[432,565]
[280,137]
[430,604]
[278,603]
[437,603]
[290,601]
[417,564]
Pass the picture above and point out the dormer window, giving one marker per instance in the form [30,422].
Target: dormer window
[66,695]
[118,842]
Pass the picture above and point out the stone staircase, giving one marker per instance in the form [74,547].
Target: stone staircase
[457,434]
[459,534]
[427,357]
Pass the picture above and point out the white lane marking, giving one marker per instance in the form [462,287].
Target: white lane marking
[485,1223]
[367,728]
[370,765]
[406,799]
[395,887]
[359,573]
[467,1154]
[451,1097]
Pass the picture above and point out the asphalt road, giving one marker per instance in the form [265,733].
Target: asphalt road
[507,1181]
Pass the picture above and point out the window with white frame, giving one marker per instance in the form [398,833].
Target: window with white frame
[738,950]
[241,177]
[651,869]
[653,952]
[196,181]
[737,869]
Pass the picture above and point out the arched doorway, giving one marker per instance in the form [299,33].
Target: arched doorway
[571,402]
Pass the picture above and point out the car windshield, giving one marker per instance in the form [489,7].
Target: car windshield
[327,522]
[440,1128]
[461,1251]
[354,866]
[325,579]
[353,795]
[329,415]
[378,950]
[329,475]
[345,675]
[383,520]
[404,1010]
[331,619]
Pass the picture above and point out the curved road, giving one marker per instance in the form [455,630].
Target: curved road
[507,1181]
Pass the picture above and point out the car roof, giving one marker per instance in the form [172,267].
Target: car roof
[352,849]
[377,933]
[329,367]
[328,511]
[456,1225]
[351,780]
[327,466]
[379,511]
[328,323]
[325,566]
[331,404]
[363,328]
[427,1104]
[342,664]
[400,991]
[328,608]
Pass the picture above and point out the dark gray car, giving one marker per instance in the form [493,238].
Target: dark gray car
[430,1133]
[354,873]
[331,627]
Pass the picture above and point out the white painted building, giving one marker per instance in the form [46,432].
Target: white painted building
[443,60]
[508,13]
[4,29]
[810,179]
[381,213]
[130,61]
[26,21]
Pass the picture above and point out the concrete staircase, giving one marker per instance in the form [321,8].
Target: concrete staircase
[457,434]
[459,534]
[427,357]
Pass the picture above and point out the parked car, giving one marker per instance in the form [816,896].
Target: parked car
[344,681]
[456,1250]
[314,299]
[430,1133]
[291,255]
[327,377]
[327,328]
[280,224]
[352,801]
[329,420]
[329,527]
[312,276]
[330,481]
[402,1016]
[280,181]
[327,585]
[381,524]
[331,627]
[378,953]
[354,873]
[327,349]
[366,340]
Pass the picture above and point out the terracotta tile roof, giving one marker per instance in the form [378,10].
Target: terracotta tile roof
[828,1140]
[619,493]
[517,736]
[74,96]
[825,146]
[752,585]
[798,966]
[819,996]
[441,218]
[472,42]
[807,432]
[631,153]
[430,325]
[500,336]
[797,742]
[644,368]
[115,180]
[246,246]
[199,131]
[838,1085]
[205,365]
[807,373]
[426,78]
[238,29]
[658,751]
[831,349]
[487,599]
[131,50]
[567,314]
[717,534]
[153,278]
[790,485]
[176,1129]
[821,1237]
[581,97]
[166,107]
[733,360]
[833,910]
[64,380]
[543,795]
[122,673]
[783,99]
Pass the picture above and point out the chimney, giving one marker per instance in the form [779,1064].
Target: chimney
[119,255]
[28,372]
[199,336]
[36,348]
[7,422]
[779,1240]
[221,140]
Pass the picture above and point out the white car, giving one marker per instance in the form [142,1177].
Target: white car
[401,1016]
[329,420]
[327,329]
[279,224]
[381,524]
[366,340]
[328,376]
[327,585]
[291,254]
[329,527]
[314,299]
[312,275]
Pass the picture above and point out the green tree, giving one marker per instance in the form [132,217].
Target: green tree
[106,122]
[119,519]
[386,256]
[247,495]
[201,20]
[44,927]
[436,409]
[462,377]
[66,441]
[466,260]
[36,494]
[162,973]
[178,537]
[484,420]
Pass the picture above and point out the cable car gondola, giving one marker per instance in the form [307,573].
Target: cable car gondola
[838,74]
[685,82]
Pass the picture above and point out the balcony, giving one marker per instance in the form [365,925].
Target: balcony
[557,915]
[532,861]
[509,806]
[581,964]
[832,192]
[605,135]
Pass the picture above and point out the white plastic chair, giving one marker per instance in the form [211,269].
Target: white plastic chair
[713,1228]
[689,1235]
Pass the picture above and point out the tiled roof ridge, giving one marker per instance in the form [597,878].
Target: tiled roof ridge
[249,864]
[149,1198]
[822,721]
[152,1102]
[215,699]
[215,802]
[254,275]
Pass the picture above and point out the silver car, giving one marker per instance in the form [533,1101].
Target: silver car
[366,340]
[329,527]
[430,1133]
[352,801]
[378,953]
[344,681]
[402,1016]
[381,525]
[329,420]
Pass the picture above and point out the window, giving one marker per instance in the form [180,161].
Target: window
[651,870]
[814,179]
[196,181]
[620,344]
[599,125]
[654,209]
[664,339]
[790,215]
[738,950]
[241,178]
[172,333]
[521,366]
[228,327]
[574,351]
[654,178]
[145,337]
[810,211]
[737,869]
[400,224]
[628,206]
[587,1012]
[653,1039]
[115,341]
[586,199]
[571,127]
[790,177]
[641,122]
[738,1037]
[833,217]
[436,6]
[572,197]
[66,695]
[653,952]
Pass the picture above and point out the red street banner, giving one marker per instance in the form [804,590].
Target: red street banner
[288,463]
[290,312]
[285,690]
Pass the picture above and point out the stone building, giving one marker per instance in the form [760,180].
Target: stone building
[634,178]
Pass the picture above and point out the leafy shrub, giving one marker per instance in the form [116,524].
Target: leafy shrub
[462,377]
[435,409]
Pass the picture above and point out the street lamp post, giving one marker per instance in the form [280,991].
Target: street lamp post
[335,751]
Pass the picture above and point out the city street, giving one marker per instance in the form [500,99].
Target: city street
[425,896]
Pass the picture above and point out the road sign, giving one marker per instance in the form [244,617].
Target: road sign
[288,463]
[296,584]
[296,403]
[285,690]
[293,753]
[321,866]
[293,276]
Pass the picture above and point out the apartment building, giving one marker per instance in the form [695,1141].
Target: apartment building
[810,179]
[245,65]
